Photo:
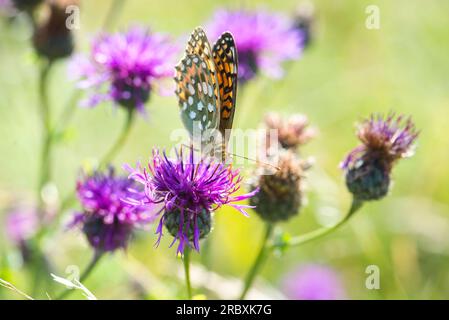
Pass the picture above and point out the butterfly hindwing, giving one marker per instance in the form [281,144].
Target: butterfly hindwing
[195,86]
[225,57]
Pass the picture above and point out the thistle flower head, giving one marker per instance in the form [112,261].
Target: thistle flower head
[188,191]
[304,17]
[52,39]
[125,67]
[314,282]
[384,141]
[292,132]
[264,40]
[280,191]
[107,220]
[21,224]
[26,5]
[7,8]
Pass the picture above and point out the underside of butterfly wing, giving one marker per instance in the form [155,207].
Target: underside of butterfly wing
[195,90]
[225,58]
[198,44]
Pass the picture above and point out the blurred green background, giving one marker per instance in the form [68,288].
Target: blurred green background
[347,73]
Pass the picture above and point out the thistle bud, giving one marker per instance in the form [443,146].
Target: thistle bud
[52,38]
[368,167]
[21,225]
[304,18]
[292,132]
[203,222]
[280,193]
[369,180]
[26,5]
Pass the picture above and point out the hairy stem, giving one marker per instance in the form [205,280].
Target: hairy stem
[186,260]
[113,13]
[45,164]
[317,234]
[308,237]
[120,142]
[258,262]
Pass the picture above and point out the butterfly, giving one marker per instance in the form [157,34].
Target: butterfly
[206,86]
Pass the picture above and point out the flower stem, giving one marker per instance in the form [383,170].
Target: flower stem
[120,140]
[317,234]
[71,197]
[45,166]
[186,260]
[93,263]
[112,14]
[68,112]
[258,262]
[314,235]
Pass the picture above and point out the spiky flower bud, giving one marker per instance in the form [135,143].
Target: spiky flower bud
[203,222]
[280,192]
[384,141]
[26,5]
[52,38]
[369,180]
[304,20]
[292,132]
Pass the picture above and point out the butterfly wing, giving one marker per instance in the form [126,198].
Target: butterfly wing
[195,86]
[198,44]
[225,57]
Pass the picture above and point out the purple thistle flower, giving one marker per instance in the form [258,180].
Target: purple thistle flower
[264,40]
[21,224]
[7,8]
[126,67]
[314,282]
[390,138]
[188,191]
[107,220]
[368,166]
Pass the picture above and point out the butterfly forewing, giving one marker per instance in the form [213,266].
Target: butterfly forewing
[199,44]
[195,91]
[225,57]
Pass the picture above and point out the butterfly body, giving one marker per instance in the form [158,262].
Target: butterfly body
[206,80]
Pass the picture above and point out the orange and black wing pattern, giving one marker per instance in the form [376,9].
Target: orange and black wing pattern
[225,57]
[194,88]
[198,44]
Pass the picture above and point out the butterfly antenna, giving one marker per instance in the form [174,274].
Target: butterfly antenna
[242,157]
[255,160]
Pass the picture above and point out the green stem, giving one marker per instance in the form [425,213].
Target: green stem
[93,263]
[68,112]
[186,260]
[258,262]
[314,235]
[106,159]
[113,13]
[119,143]
[45,166]
[317,234]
